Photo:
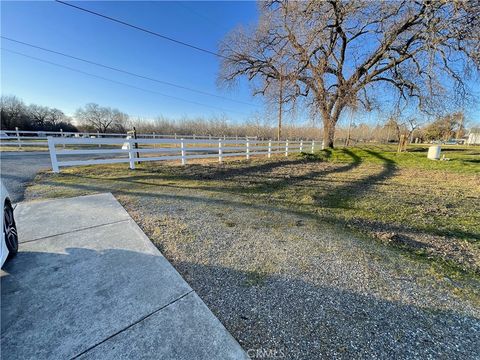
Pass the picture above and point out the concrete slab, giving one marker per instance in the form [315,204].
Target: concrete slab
[38,219]
[181,322]
[88,289]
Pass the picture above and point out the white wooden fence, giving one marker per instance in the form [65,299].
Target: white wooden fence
[20,138]
[87,152]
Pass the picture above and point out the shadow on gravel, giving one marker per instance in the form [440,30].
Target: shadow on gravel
[301,319]
[308,321]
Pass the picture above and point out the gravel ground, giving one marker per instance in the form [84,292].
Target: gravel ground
[287,282]
[290,287]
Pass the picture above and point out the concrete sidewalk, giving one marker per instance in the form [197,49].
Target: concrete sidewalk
[88,283]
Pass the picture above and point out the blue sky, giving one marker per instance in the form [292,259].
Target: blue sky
[61,28]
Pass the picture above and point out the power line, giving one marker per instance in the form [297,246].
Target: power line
[142,29]
[126,71]
[119,82]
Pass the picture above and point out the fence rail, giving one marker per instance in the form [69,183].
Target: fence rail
[129,150]
[21,138]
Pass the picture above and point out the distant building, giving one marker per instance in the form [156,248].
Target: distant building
[473,138]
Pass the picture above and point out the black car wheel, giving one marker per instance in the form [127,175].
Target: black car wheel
[10,229]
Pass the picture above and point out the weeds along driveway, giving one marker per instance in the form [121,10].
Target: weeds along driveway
[288,280]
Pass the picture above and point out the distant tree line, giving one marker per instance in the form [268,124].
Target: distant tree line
[15,113]
[445,127]
[96,118]
[219,126]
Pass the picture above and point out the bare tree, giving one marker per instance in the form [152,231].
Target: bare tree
[119,120]
[93,116]
[39,114]
[12,109]
[445,127]
[102,119]
[56,116]
[340,54]
[411,124]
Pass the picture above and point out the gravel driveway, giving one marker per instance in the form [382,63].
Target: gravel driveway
[287,285]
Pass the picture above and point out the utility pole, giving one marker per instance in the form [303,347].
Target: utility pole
[388,133]
[460,126]
[347,140]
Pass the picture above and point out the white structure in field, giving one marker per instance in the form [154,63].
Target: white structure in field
[473,138]
[434,152]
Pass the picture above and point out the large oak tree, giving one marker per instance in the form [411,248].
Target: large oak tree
[341,54]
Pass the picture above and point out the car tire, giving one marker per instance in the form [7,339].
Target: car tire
[10,230]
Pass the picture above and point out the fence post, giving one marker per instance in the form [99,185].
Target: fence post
[313,145]
[53,154]
[286,147]
[301,145]
[269,149]
[220,151]
[18,138]
[182,146]
[248,150]
[131,154]
[62,135]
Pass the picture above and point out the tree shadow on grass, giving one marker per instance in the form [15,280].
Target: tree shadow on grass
[245,177]
[257,178]
[341,196]
[218,172]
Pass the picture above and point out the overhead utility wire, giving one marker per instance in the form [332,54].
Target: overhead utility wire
[119,82]
[142,29]
[126,71]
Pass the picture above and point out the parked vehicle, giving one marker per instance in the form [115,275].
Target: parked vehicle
[451,142]
[9,241]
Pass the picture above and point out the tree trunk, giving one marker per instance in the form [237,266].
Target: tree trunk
[328,133]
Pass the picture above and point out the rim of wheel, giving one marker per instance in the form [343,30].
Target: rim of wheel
[9,228]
